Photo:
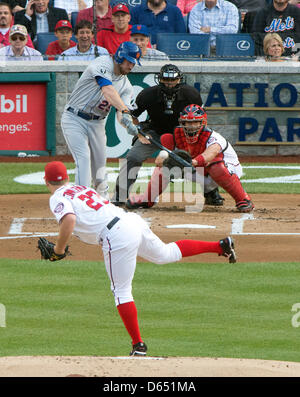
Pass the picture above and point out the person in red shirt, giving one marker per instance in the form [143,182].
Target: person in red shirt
[63,32]
[103,12]
[111,38]
[6,22]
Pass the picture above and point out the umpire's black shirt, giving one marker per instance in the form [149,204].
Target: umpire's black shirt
[151,99]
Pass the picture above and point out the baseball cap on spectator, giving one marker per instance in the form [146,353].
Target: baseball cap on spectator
[63,24]
[120,8]
[55,171]
[140,29]
[20,29]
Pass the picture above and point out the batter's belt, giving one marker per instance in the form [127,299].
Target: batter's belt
[84,115]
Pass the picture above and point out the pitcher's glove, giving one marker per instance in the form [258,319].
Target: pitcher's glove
[171,162]
[47,250]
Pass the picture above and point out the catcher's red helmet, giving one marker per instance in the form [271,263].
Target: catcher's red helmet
[193,113]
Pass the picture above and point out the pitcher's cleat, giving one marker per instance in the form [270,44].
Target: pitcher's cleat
[139,350]
[227,246]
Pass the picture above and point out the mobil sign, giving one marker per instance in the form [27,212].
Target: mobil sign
[23,116]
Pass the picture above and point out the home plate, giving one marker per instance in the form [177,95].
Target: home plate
[190,226]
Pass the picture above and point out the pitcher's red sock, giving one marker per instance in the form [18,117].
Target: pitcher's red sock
[128,314]
[195,247]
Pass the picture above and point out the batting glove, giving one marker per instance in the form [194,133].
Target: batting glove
[127,122]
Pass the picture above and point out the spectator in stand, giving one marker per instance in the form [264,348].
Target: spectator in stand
[111,38]
[17,50]
[248,10]
[85,49]
[214,17]
[6,18]
[185,6]
[39,18]
[103,12]
[295,2]
[278,17]
[273,47]
[159,16]
[16,5]
[73,5]
[63,31]
[140,36]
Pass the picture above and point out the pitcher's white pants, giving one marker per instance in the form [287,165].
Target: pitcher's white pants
[129,238]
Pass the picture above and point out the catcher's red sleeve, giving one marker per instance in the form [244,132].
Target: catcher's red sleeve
[167,140]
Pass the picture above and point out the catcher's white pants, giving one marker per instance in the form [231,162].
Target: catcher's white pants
[129,238]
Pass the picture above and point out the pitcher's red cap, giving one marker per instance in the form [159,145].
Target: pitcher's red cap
[55,171]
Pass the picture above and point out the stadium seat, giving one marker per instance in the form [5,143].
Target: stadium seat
[183,45]
[238,46]
[130,3]
[74,15]
[44,39]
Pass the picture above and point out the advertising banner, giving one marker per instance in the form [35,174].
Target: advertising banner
[23,116]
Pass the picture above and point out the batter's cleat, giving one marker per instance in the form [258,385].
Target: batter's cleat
[118,203]
[245,206]
[213,198]
[136,202]
[227,246]
[139,350]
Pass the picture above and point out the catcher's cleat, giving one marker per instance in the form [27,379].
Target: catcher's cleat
[139,350]
[227,246]
[136,202]
[245,206]
[213,198]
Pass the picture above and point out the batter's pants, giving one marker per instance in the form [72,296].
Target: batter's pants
[87,143]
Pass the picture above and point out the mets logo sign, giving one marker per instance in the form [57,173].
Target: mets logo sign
[183,45]
[243,45]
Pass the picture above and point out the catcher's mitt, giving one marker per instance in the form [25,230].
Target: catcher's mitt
[171,162]
[47,250]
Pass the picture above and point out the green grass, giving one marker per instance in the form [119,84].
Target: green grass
[8,171]
[197,309]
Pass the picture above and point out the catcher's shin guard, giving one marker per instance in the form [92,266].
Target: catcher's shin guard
[155,188]
[232,185]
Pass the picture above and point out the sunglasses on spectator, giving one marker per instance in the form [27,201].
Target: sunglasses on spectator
[14,38]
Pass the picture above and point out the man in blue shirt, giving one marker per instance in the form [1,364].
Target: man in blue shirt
[159,16]
[85,49]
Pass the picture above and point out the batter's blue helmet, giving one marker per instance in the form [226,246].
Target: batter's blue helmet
[130,51]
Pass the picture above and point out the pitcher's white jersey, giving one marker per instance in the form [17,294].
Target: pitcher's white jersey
[93,213]
[87,95]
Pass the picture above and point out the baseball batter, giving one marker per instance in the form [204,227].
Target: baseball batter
[82,211]
[102,85]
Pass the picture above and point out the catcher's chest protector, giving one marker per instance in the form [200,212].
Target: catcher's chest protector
[196,148]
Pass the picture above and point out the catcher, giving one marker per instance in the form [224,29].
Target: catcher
[205,148]
[123,235]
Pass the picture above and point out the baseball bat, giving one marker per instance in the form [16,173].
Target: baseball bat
[177,159]
[95,29]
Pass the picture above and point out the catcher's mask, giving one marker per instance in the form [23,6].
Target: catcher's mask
[192,119]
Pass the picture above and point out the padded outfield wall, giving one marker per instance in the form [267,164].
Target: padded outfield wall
[255,105]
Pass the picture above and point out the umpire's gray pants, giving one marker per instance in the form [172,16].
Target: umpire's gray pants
[130,168]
